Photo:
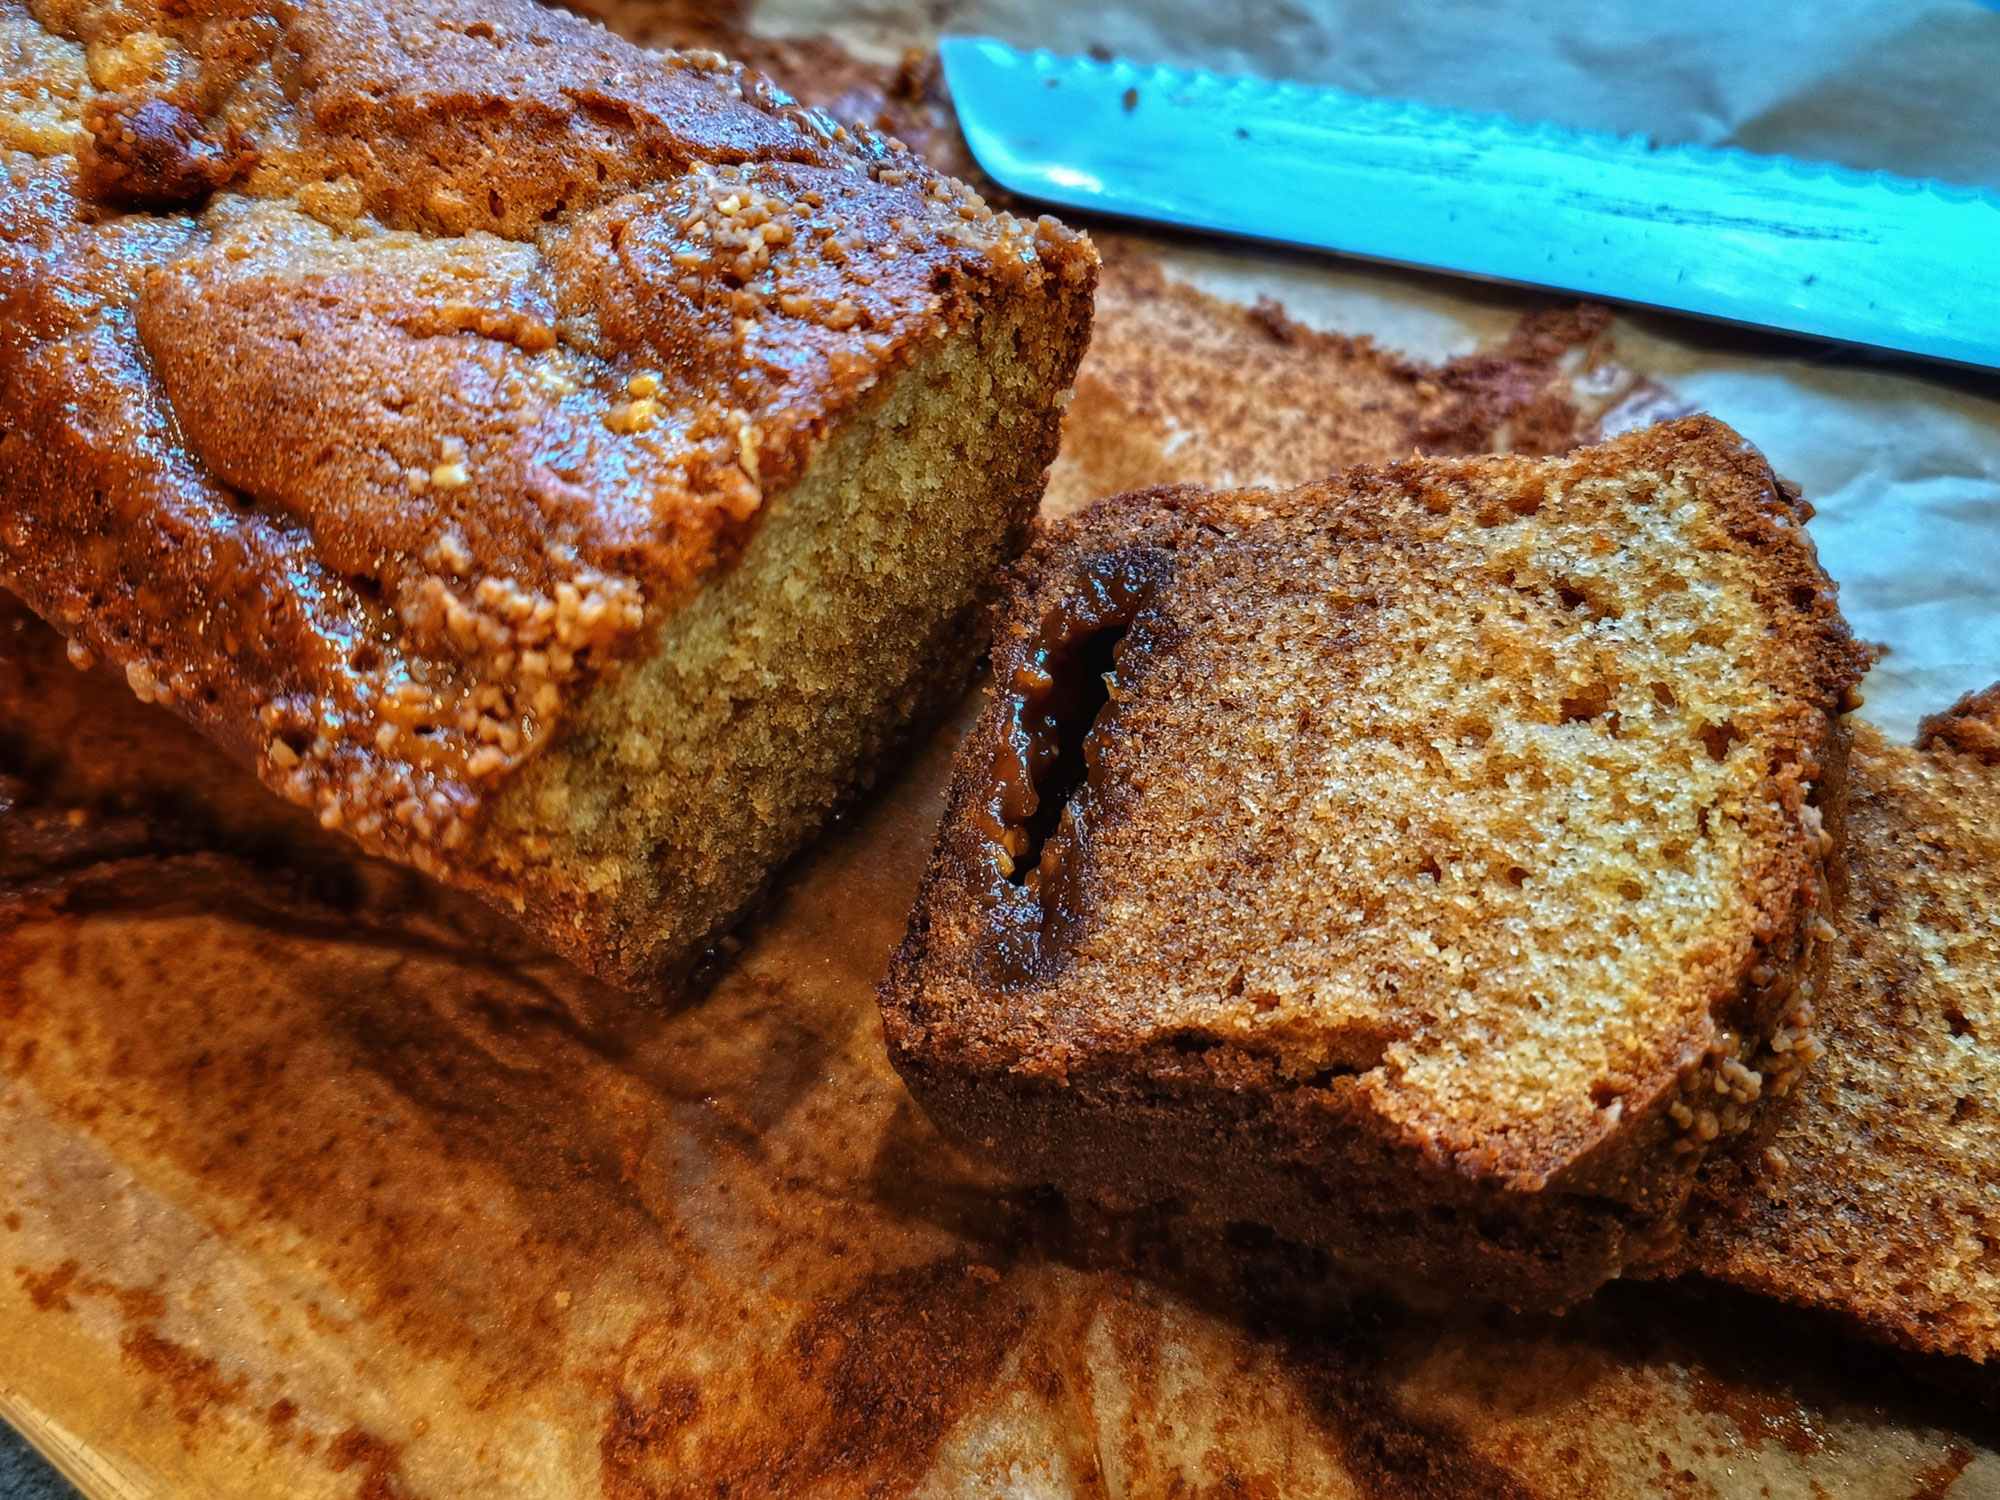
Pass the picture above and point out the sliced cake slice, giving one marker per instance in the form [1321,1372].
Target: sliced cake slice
[1430,864]
[1875,1193]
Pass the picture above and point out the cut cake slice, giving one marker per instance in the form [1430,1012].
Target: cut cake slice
[1874,1193]
[1442,878]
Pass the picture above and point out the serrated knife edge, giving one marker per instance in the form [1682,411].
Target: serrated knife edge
[1807,247]
[1410,112]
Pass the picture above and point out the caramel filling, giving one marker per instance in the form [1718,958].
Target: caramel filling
[1059,709]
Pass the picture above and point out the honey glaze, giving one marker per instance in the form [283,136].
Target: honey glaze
[1058,715]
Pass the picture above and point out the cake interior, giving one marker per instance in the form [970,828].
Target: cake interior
[857,607]
[1467,796]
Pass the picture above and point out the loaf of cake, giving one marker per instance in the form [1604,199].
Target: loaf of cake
[1430,864]
[1873,1193]
[566,468]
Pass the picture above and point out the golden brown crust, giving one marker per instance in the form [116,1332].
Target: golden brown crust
[1102,1019]
[464,341]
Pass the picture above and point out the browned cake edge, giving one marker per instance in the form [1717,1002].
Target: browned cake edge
[1787,1212]
[1970,727]
[1219,1133]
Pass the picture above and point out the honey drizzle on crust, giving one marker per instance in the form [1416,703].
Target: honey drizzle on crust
[458,344]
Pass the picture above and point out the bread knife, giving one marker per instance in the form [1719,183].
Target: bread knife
[1805,247]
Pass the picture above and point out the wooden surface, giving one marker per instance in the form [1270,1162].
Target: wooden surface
[63,1460]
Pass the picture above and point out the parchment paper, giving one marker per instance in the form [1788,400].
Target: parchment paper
[731,1251]
[1903,461]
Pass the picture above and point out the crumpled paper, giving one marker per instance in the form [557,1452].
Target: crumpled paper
[1902,459]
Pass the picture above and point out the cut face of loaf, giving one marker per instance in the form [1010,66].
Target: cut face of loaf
[1428,863]
[563,467]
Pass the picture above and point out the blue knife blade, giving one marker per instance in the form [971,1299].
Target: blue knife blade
[1809,248]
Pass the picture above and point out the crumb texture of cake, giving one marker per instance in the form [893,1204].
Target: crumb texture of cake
[1876,1194]
[381,387]
[1390,856]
